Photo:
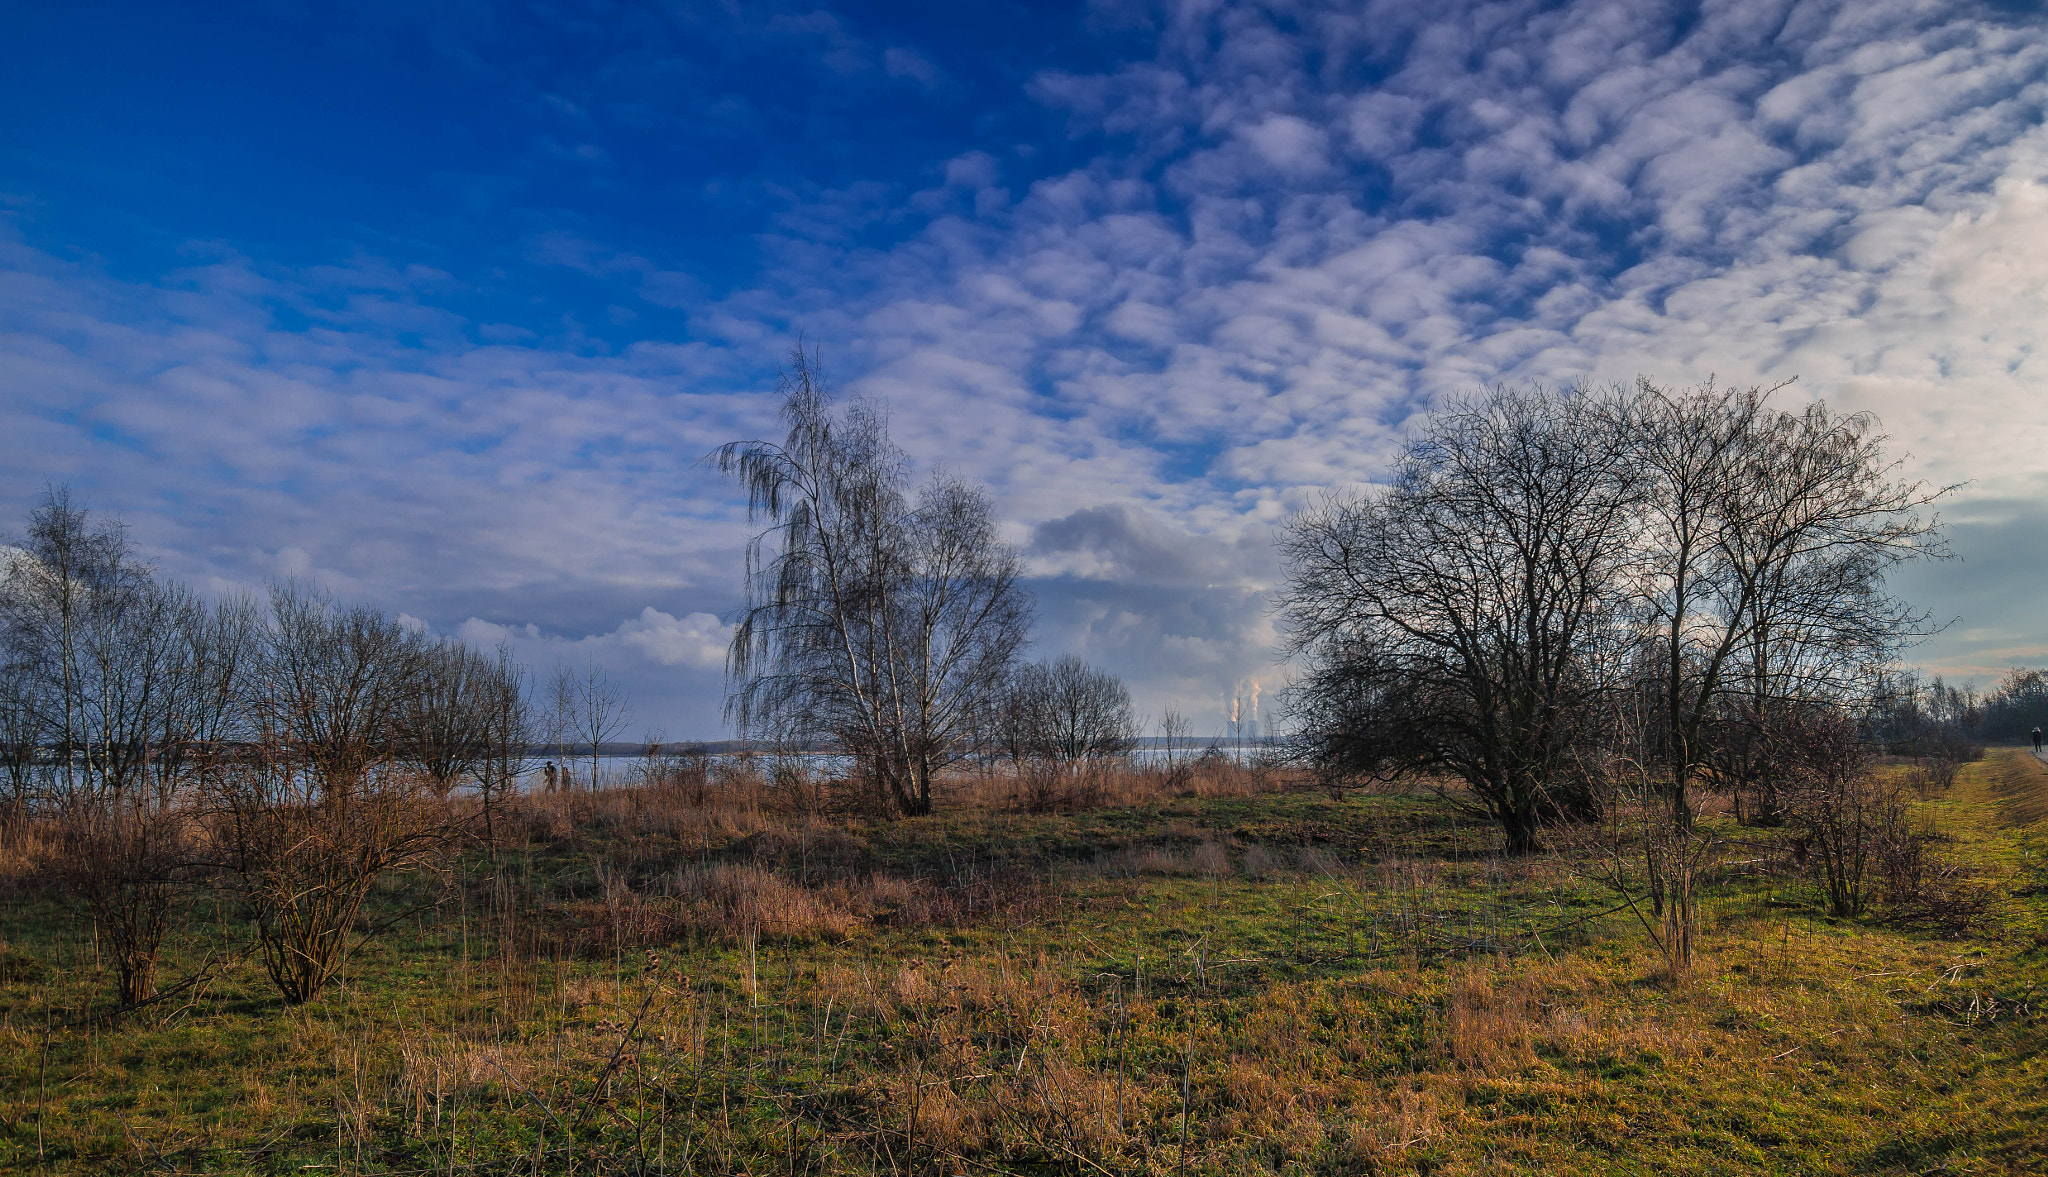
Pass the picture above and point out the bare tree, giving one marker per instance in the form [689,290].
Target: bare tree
[1536,552]
[879,618]
[600,713]
[1174,733]
[64,598]
[2018,704]
[207,712]
[445,721]
[323,803]
[585,710]
[330,689]
[21,733]
[559,717]
[508,732]
[1463,619]
[127,849]
[125,676]
[1069,713]
[1765,539]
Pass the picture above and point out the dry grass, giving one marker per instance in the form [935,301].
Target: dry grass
[1255,983]
[25,846]
[1110,784]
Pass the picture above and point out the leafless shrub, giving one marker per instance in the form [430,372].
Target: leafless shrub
[1858,838]
[1047,786]
[1174,746]
[1844,812]
[130,860]
[1924,886]
[1646,850]
[684,768]
[302,857]
[1936,772]
[306,818]
[798,786]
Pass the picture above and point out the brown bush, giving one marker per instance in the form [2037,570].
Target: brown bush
[130,860]
[1923,885]
[303,857]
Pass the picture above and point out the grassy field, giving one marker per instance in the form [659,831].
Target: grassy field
[1253,979]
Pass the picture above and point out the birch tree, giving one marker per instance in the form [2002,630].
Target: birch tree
[880,618]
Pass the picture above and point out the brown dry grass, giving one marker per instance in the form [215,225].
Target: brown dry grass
[1108,784]
[786,996]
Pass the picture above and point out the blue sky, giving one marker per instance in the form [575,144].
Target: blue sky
[441,304]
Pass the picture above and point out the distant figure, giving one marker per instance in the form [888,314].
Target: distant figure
[2037,741]
[552,784]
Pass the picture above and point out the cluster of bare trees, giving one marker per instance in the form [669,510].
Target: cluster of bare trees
[582,711]
[2009,713]
[1581,600]
[292,750]
[1062,726]
[1557,582]
[1062,713]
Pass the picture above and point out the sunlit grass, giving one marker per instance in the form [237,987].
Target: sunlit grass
[1269,983]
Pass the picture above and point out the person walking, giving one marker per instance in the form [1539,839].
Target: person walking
[2037,739]
[552,782]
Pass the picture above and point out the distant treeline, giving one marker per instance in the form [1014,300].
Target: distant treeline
[1913,713]
[624,748]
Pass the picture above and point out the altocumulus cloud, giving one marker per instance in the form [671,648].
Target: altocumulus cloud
[1245,245]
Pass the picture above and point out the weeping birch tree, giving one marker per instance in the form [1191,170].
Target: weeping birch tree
[880,617]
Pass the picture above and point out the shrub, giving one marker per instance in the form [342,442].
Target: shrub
[303,858]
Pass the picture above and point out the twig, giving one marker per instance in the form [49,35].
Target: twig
[537,1101]
[205,973]
[605,1075]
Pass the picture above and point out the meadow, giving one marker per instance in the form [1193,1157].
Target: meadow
[1223,971]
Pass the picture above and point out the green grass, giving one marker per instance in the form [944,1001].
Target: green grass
[1381,996]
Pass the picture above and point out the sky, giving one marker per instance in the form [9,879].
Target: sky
[441,306]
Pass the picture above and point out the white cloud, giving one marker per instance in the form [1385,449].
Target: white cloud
[1270,269]
[697,640]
